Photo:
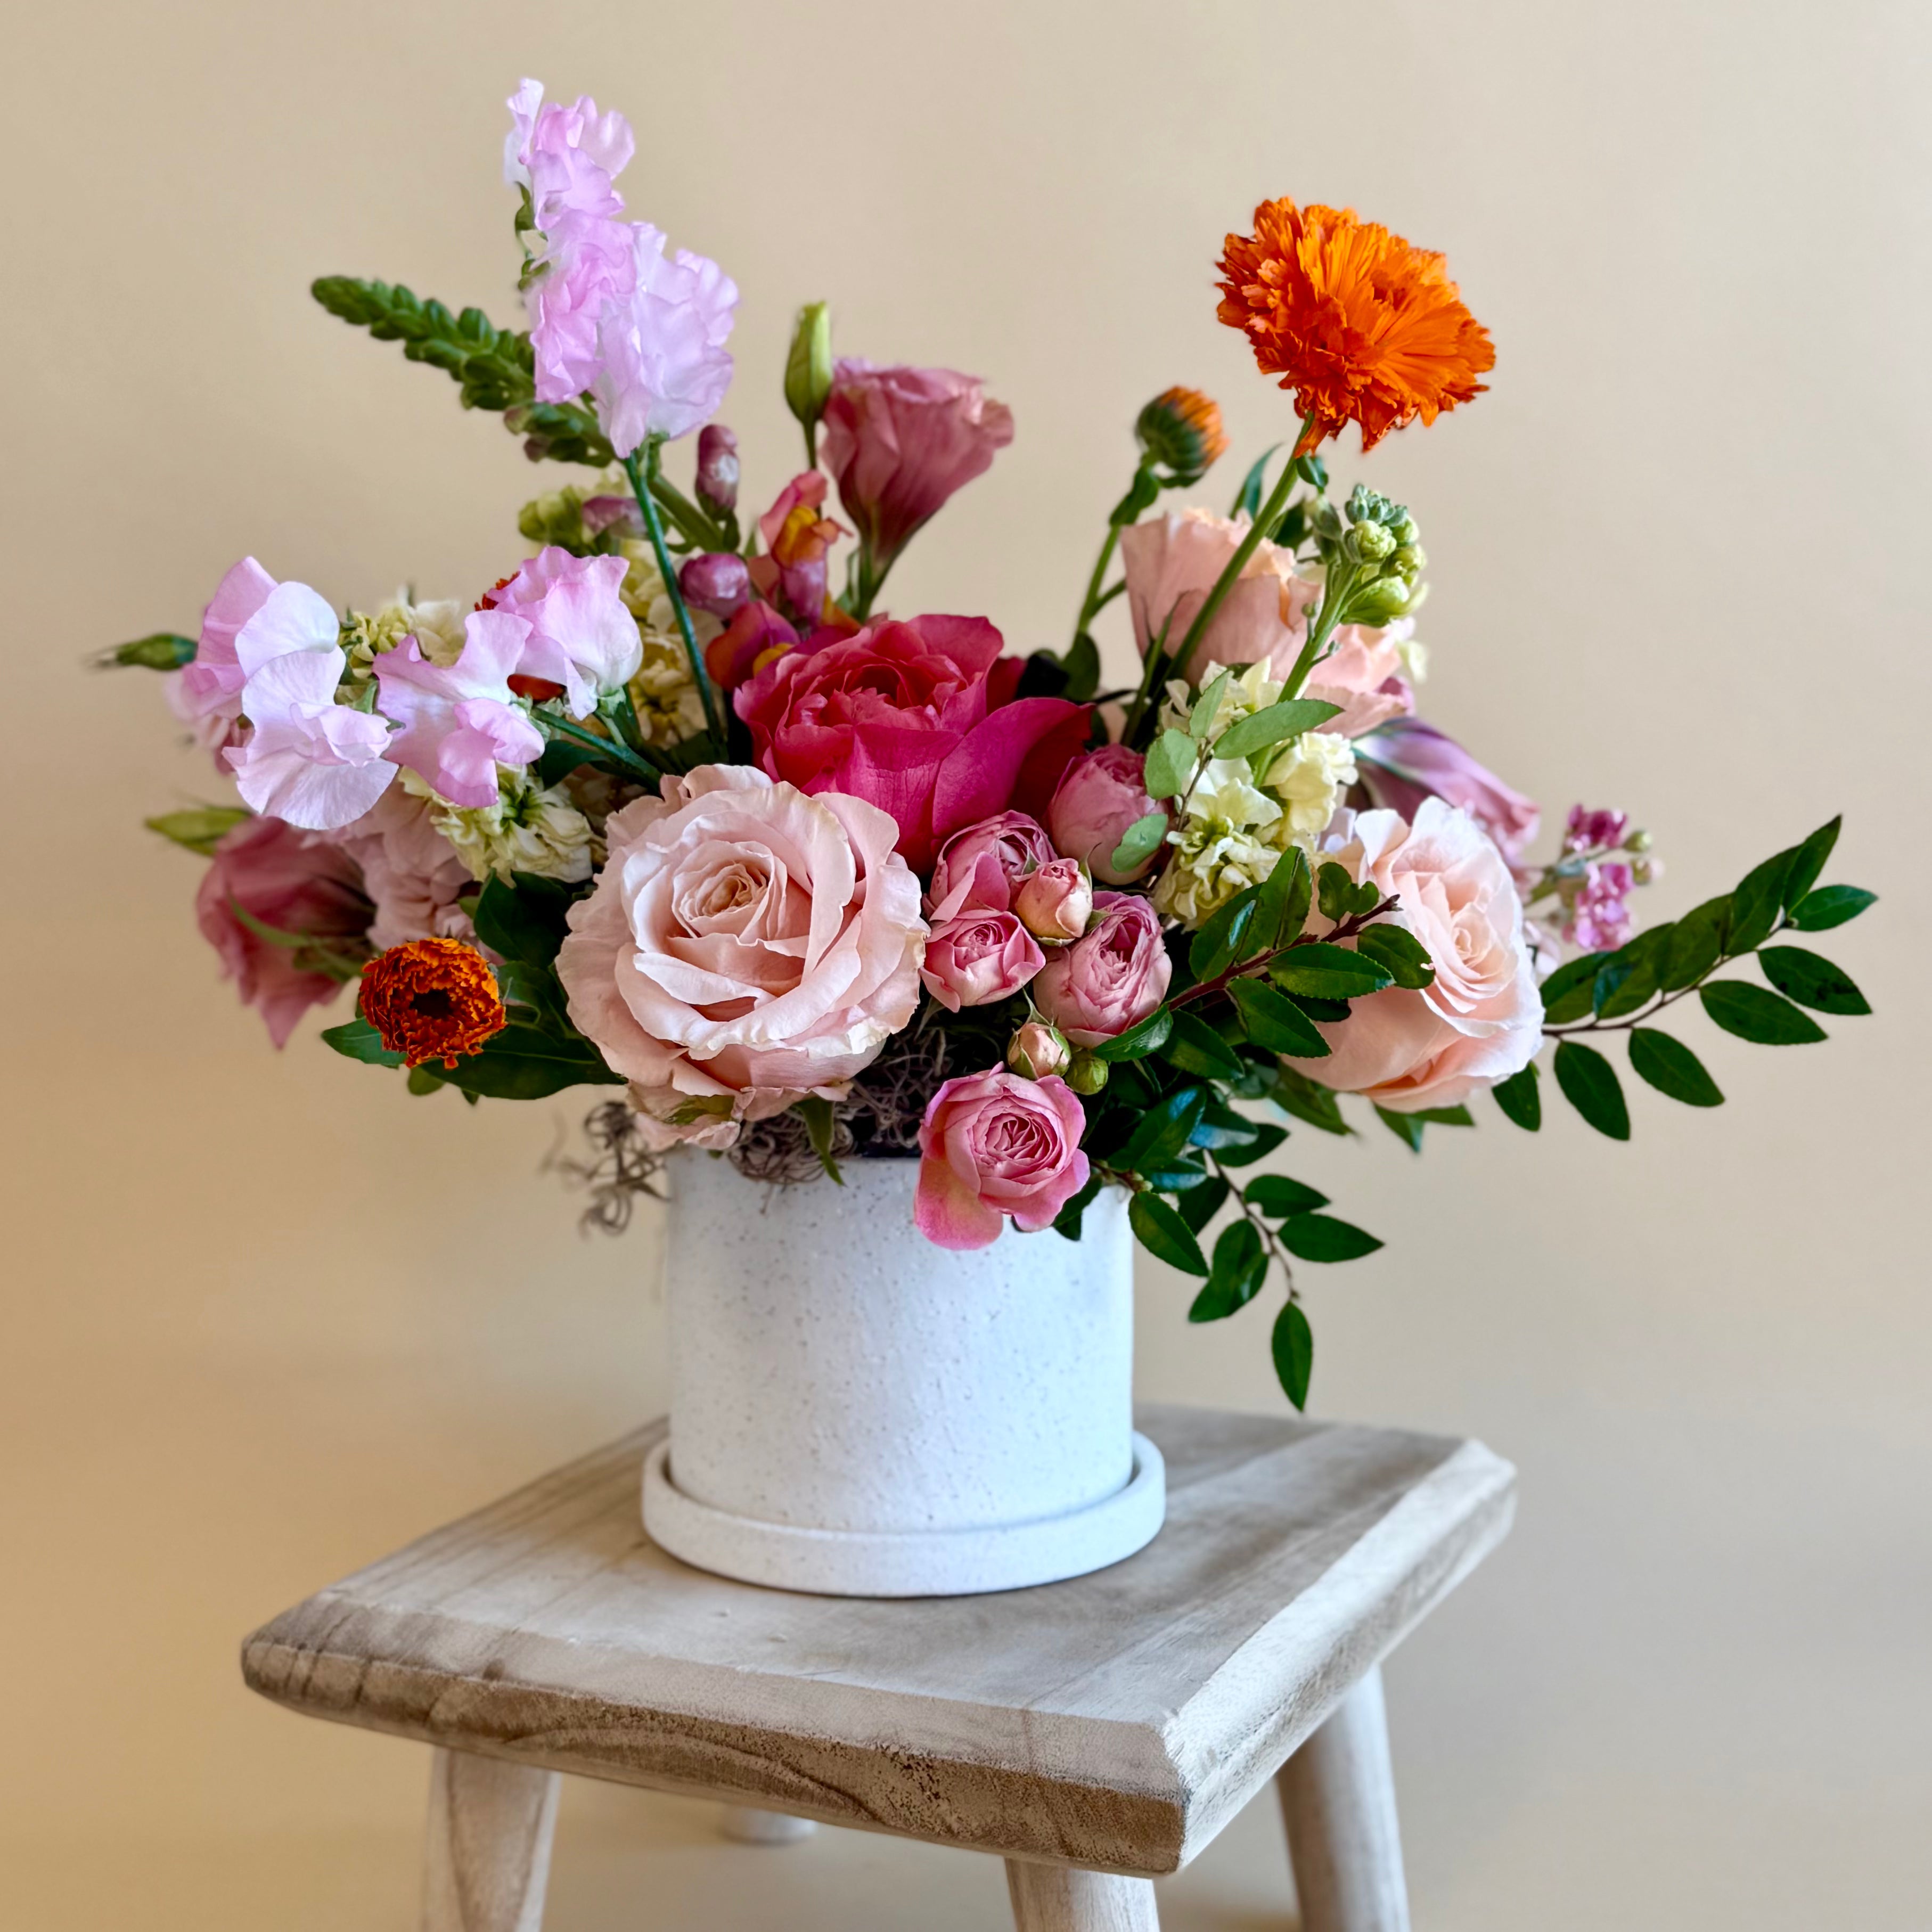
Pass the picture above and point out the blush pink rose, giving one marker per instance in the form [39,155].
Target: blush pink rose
[1100,796]
[1110,980]
[746,945]
[293,882]
[979,957]
[904,716]
[995,1145]
[1482,1019]
[1055,902]
[981,868]
[1405,761]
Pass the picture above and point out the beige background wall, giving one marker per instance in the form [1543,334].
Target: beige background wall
[265,1317]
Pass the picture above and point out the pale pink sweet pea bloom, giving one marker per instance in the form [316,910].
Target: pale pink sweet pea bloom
[566,157]
[1404,761]
[979,957]
[901,441]
[307,759]
[980,869]
[458,721]
[1482,1019]
[411,873]
[663,366]
[746,945]
[1110,979]
[581,635]
[589,265]
[1101,795]
[206,695]
[1055,901]
[995,1145]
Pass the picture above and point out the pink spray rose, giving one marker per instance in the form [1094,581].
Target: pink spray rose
[903,716]
[292,882]
[978,958]
[1110,980]
[981,868]
[1037,1050]
[1101,795]
[1055,902]
[746,945]
[581,636]
[458,721]
[901,441]
[1482,1019]
[993,1145]
[410,871]
[1404,761]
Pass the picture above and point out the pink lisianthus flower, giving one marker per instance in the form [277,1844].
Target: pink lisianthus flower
[902,716]
[901,441]
[746,945]
[1110,979]
[206,695]
[581,635]
[1403,761]
[307,759]
[979,957]
[979,869]
[458,722]
[290,882]
[413,875]
[996,1146]
[1102,794]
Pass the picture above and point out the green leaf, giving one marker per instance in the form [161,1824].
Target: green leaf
[1568,992]
[1757,902]
[1830,906]
[1162,1131]
[1405,1127]
[1275,1023]
[1672,1068]
[1335,891]
[1140,842]
[1812,982]
[1169,765]
[1067,1221]
[1309,1101]
[1328,972]
[1248,498]
[1292,1345]
[820,1126]
[1624,982]
[200,828]
[1321,1238]
[423,1080]
[1591,1085]
[1754,1015]
[1329,1013]
[1240,1267]
[1200,719]
[1081,663]
[1446,1117]
[1199,1205]
[1286,893]
[1272,726]
[1224,1130]
[523,1063]
[1165,1235]
[1145,1036]
[1224,940]
[1696,945]
[524,917]
[164,650]
[1274,1195]
[1398,953]
[1267,1138]
[1521,1098]
[1809,861]
[1185,1175]
[357,1039]
[1194,1047]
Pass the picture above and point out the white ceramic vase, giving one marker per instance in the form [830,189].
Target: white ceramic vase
[856,1412]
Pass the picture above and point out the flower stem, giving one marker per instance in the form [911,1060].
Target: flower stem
[1156,655]
[609,748]
[647,505]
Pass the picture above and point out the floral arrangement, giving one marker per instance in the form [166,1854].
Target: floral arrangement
[665,809]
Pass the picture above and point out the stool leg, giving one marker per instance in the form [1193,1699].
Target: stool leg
[490,1828]
[1338,1801]
[748,1825]
[1053,1898]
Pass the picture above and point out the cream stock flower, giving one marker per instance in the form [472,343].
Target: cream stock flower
[436,626]
[1309,776]
[666,700]
[531,828]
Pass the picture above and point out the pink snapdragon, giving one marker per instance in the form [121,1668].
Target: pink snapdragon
[581,634]
[995,1146]
[459,721]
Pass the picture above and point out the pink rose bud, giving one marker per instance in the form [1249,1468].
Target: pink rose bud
[993,1145]
[1055,902]
[978,958]
[1110,979]
[717,469]
[1102,795]
[1037,1050]
[716,581]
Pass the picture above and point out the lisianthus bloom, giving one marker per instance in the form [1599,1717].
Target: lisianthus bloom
[1101,794]
[1110,979]
[904,715]
[746,945]
[993,1146]
[459,723]
[581,637]
[797,541]
[268,882]
[1481,1018]
[1363,327]
[206,694]
[978,958]
[980,869]
[432,999]
[1403,761]
[901,441]
[413,875]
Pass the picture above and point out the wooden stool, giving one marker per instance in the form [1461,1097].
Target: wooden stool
[1094,1733]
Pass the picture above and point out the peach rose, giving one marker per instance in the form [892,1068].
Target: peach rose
[746,946]
[1482,1019]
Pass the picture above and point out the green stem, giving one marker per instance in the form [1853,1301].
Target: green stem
[647,504]
[693,525]
[1091,603]
[1108,596]
[868,585]
[608,749]
[1271,1246]
[1340,581]
[1156,653]
[811,444]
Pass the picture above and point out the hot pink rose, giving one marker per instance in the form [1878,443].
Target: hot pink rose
[1405,761]
[979,957]
[292,882]
[901,441]
[993,1145]
[1112,978]
[1482,1019]
[1055,902]
[981,868]
[746,945]
[1101,795]
[903,716]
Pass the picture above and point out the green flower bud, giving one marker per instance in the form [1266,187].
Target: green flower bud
[807,379]
[1379,603]
[1180,429]
[1368,543]
[1408,562]
[1087,1074]
[163,651]
[1638,842]
[1037,1050]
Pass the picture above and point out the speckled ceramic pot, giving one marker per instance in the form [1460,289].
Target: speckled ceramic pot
[856,1412]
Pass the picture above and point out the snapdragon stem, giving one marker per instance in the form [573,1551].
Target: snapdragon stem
[647,504]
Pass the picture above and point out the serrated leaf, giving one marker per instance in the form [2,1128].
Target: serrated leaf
[1521,1098]
[1200,719]
[1308,1100]
[1143,1037]
[1239,1268]
[1667,1064]
[1274,725]
[357,1039]
[1321,1238]
[1830,905]
[1757,902]
[1276,1196]
[1398,953]
[1066,1222]
[1169,765]
[1326,972]
[1812,982]
[1325,1012]
[1292,1346]
[1194,1047]
[1405,1127]
[1165,1235]
[1274,1022]
[1199,1205]
[1590,1084]
[1267,1138]
[1766,1019]
[1140,842]
[1162,1131]
[1286,893]
[1809,861]
[1568,991]
[1225,939]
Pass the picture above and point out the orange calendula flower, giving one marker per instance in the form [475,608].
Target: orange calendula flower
[1363,327]
[1182,429]
[432,999]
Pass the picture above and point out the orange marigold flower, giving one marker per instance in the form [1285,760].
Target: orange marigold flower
[1182,428]
[1363,327]
[432,999]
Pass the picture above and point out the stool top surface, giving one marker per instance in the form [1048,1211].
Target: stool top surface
[1115,1721]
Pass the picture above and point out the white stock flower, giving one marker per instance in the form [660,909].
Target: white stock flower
[531,828]
[1309,776]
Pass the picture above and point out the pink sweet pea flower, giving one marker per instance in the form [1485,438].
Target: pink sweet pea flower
[567,157]
[979,957]
[206,695]
[308,759]
[901,441]
[458,722]
[1404,761]
[993,1145]
[664,367]
[581,634]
